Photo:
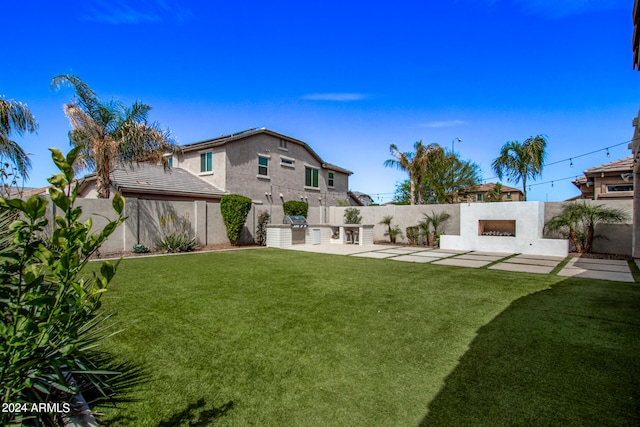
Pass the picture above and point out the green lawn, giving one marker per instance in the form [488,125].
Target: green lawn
[269,337]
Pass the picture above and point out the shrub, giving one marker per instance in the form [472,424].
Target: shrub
[261,232]
[235,209]
[140,248]
[413,234]
[295,208]
[176,235]
[352,216]
[49,326]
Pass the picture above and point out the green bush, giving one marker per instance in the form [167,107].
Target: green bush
[261,232]
[49,325]
[352,216]
[234,209]
[295,208]
[140,248]
[413,234]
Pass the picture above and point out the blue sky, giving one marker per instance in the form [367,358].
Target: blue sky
[349,78]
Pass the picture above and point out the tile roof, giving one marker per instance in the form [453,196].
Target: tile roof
[621,165]
[491,185]
[149,178]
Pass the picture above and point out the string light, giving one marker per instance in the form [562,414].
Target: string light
[577,156]
[570,163]
[551,183]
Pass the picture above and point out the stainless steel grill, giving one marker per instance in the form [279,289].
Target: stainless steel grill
[298,225]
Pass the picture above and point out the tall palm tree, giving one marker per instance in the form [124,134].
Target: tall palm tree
[111,133]
[520,161]
[15,117]
[415,164]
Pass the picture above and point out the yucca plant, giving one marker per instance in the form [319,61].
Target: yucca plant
[176,235]
[49,327]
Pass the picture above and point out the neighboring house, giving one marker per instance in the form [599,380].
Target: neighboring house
[612,180]
[479,193]
[267,167]
[148,181]
[363,199]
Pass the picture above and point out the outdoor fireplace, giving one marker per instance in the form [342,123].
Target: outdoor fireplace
[491,227]
[497,227]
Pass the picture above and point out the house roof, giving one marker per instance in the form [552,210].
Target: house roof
[151,178]
[491,185]
[621,165]
[225,139]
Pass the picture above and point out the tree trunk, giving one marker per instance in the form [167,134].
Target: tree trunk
[576,241]
[103,187]
[412,191]
[589,242]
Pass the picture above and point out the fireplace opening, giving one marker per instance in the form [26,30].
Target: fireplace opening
[497,227]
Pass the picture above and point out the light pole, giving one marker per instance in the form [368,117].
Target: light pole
[453,153]
[453,144]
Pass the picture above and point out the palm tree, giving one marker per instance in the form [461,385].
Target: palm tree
[415,164]
[495,194]
[519,161]
[15,117]
[111,133]
[386,220]
[435,220]
[578,221]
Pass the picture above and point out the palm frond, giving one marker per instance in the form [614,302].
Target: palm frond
[15,117]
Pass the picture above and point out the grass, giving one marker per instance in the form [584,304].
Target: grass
[280,338]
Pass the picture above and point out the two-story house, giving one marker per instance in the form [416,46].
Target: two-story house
[481,193]
[266,166]
[612,180]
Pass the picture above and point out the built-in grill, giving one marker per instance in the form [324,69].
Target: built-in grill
[298,224]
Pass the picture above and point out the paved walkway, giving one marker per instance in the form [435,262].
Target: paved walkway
[576,267]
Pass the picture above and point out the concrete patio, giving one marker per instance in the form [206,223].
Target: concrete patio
[615,270]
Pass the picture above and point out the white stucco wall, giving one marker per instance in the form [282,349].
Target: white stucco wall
[529,217]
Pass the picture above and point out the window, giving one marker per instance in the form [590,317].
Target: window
[330,180]
[263,166]
[479,198]
[288,162]
[508,196]
[311,177]
[283,145]
[614,188]
[205,162]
